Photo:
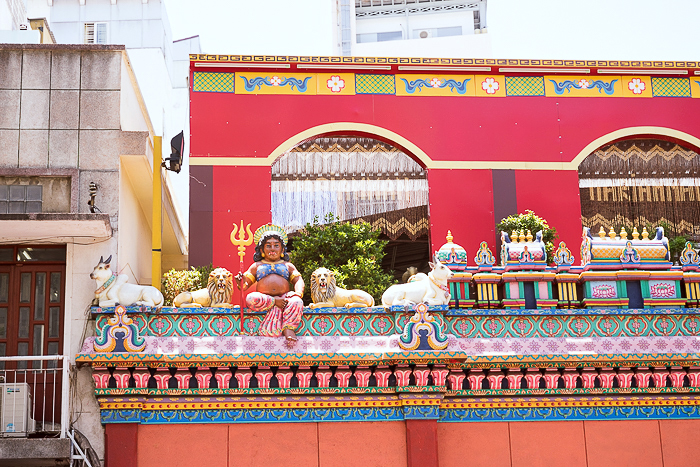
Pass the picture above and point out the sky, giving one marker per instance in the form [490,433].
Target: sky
[565,29]
[271,27]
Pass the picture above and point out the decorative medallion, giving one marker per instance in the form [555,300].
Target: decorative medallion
[120,335]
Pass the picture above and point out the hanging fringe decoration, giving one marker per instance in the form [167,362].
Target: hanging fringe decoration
[639,182]
[349,177]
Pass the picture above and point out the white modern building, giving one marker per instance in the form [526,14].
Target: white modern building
[416,28]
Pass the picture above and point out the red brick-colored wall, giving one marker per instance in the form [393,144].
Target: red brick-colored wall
[594,443]
[591,443]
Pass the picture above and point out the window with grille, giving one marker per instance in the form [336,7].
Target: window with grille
[95,33]
[20,199]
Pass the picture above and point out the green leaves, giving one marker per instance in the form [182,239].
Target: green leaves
[175,282]
[534,223]
[353,251]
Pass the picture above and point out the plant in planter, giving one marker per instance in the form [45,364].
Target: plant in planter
[534,223]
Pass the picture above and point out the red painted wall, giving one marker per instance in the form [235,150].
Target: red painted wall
[541,129]
[461,201]
[555,196]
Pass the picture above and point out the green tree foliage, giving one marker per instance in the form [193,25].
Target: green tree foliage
[175,282]
[534,223]
[353,251]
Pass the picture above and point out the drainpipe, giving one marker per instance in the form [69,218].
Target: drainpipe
[156,241]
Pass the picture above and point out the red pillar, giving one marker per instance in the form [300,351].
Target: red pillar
[121,444]
[421,443]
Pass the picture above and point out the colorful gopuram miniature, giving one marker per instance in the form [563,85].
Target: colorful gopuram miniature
[274,276]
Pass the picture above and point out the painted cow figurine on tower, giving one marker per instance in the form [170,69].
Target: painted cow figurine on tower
[112,289]
[428,288]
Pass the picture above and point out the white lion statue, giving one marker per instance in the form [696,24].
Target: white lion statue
[218,292]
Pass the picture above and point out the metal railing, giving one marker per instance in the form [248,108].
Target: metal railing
[35,396]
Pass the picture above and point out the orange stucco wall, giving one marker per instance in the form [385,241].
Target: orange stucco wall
[573,444]
[366,444]
[666,443]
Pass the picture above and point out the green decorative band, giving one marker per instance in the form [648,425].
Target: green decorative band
[461,359]
[375,84]
[524,86]
[213,82]
[449,411]
[489,324]
[670,87]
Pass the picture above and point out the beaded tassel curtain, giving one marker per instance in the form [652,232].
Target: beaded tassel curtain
[639,182]
[349,177]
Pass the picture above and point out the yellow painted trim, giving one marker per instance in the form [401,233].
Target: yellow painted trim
[157,224]
[429,163]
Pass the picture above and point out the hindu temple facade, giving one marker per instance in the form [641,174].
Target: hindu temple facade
[589,357]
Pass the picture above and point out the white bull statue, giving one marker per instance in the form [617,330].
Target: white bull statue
[428,288]
[112,289]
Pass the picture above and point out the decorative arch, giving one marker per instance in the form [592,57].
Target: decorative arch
[630,132]
[354,129]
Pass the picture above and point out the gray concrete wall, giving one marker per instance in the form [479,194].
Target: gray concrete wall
[60,124]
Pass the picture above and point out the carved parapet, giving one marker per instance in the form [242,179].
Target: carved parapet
[533,288]
[522,253]
[452,255]
[563,258]
[484,259]
[460,296]
[423,332]
[632,288]
[120,334]
[689,258]
[613,252]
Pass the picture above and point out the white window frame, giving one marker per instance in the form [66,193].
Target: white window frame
[96,32]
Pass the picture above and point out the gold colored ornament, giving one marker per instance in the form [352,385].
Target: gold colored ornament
[241,241]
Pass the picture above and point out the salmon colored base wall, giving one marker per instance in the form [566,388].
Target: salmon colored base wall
[592,443]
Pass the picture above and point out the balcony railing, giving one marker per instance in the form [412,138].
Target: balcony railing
[35,396]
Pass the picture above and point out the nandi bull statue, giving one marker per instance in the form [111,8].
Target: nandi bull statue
[113,290]
[428,288]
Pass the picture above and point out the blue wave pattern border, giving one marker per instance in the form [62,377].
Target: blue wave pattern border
[568,84]
[260,81]
[419,84]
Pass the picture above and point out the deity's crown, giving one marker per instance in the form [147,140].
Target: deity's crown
[269,229]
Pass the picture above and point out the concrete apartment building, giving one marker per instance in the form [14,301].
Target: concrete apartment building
[70,116]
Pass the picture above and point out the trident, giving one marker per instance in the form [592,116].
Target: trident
[241,242]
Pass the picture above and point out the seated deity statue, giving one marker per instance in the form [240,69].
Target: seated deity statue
[279,284]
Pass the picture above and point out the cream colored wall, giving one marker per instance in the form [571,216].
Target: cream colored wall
[134,234]
[80,261]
